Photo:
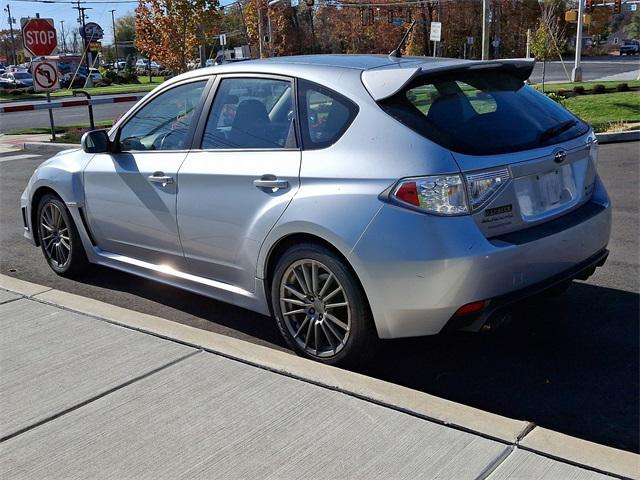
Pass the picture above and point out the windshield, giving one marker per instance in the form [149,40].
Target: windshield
[482,113]
[21,76]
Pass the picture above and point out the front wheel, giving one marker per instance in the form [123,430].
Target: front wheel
[59,239]
[320,307]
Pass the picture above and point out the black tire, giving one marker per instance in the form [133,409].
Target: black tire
[361,339]
[75,262]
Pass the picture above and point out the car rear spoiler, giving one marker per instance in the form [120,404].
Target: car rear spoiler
[386,81]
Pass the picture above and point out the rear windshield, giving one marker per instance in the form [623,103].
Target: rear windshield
[482,113]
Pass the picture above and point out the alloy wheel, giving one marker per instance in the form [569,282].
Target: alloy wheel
[54,235]
[315,308]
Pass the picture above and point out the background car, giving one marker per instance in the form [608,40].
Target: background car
[630,47]
[77,79]
[351,197]
[17,79]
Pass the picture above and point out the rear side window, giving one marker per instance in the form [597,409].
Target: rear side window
[249,113]
[324,115]
[482,113]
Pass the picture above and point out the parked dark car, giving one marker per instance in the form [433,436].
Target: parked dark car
[630,47]
[68,78]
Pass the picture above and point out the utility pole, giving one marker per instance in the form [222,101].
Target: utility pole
[13,40]
[485,29]
[84,42]
[115,38]
[576,73]
[64,41]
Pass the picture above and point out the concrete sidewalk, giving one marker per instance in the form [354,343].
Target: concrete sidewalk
[84,397]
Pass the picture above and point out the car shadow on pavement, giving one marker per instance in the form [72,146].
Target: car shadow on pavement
[567,363]
[187,308]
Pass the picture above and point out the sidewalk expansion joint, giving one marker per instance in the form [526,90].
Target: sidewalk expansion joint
[99,396]
[499,460]
[22,297]
[525,431]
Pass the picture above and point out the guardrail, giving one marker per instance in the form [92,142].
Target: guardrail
[69,103]
[89,102]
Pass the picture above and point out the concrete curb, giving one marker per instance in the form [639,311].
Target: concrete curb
[630,136]
[45,147]
[519,433]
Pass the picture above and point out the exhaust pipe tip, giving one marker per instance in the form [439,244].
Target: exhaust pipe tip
[498,321]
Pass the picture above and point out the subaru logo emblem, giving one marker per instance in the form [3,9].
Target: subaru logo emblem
[560,156]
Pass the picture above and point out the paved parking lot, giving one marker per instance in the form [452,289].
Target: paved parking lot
[569,364]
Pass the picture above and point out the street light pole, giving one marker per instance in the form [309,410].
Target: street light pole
[64,41]
[485,29]
[576,73]
[261,40]
[13,40]
[115,38]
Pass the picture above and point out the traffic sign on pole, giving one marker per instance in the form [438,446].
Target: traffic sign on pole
[436,31]
[45,76]
[39,37]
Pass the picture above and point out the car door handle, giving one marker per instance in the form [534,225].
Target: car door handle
[160,177]
[271,182]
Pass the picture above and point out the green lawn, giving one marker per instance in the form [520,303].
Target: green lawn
[605,109]
[143,86]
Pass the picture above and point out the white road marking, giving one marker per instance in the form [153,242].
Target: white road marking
[18,157]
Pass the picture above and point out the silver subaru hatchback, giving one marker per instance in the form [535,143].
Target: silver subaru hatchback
[351,197]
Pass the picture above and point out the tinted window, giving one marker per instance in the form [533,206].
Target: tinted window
[324,114]
[251,113]
[164,122]
[482,113]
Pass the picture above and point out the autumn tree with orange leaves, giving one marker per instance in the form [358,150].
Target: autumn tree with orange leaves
[168,31]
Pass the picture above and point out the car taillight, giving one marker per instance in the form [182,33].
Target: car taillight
[441,195]
[485,185]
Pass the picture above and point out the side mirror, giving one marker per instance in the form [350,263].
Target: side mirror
[96,141]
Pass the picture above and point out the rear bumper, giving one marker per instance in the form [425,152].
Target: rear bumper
[499,305]
[417,270]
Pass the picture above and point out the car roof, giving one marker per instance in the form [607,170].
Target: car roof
[381,75]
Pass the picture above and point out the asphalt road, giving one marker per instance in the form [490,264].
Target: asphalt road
[567,363]
[10,122]
[592,69]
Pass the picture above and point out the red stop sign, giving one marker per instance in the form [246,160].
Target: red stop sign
[39,36]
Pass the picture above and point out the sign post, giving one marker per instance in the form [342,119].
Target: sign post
[435,35]
[92,33]
[46,79]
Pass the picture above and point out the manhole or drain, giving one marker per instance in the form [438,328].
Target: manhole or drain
[12,270]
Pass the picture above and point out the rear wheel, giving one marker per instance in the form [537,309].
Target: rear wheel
[59,239]
[320,307]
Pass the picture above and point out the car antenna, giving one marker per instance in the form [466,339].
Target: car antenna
[397,53]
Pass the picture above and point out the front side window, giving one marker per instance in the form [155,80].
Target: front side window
[250,113]
[164,122]
[324,114]
[482,113]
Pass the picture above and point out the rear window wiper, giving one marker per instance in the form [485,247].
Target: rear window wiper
[556,130]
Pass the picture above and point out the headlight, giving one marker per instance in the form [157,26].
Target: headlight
[483,186]
[441,195]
